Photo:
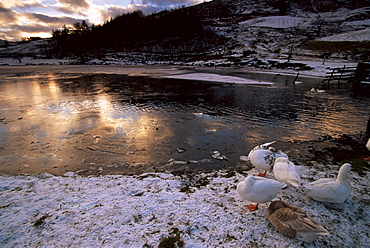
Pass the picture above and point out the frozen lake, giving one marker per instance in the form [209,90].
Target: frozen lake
[115,123]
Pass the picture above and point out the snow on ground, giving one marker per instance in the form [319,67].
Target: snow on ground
[320,68]
[274,22]
[217,78]
[358,35]
[31,61]
[28,47]
[201,210]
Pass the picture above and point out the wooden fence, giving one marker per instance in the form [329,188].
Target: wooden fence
[345,77]
[339,77]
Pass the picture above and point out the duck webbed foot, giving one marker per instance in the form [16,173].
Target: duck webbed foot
[262,174]
[252,207]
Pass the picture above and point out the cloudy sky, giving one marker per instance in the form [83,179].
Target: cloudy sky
[37,18]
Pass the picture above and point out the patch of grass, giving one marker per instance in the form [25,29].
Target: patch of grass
[194,180]
[186,189]
[230,237]
[139,194]
[138,218]
[309,164]
[172,241]
[337,46]
[201,182]
[5,206]
[230,174]
[40,221]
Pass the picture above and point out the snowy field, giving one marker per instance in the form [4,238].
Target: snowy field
[196,210]
[274,22]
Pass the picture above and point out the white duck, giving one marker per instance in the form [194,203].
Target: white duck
[263,157]
[368,147]
[286,172]
[293,222]
[258,190]
[329,189]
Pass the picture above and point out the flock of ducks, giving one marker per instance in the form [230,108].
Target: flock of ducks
[289,220]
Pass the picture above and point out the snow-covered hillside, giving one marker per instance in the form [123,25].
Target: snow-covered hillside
[274,35]
[32,47]
[357,35]
[253,30]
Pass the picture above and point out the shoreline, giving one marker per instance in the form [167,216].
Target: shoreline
[329,151]
[152,70]
[226,75]
[318,66]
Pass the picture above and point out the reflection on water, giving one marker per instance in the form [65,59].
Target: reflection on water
[74,121]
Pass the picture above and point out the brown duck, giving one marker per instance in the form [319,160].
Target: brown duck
[293,222]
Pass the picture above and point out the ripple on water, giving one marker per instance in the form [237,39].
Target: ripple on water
[141,120]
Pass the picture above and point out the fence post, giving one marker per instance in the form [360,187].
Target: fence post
[331,76]
[341,73]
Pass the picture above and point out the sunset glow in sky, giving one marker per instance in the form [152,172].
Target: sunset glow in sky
[37,18]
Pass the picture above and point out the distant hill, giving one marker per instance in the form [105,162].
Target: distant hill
[271,28]
[263,28]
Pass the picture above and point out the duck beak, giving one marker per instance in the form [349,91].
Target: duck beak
[267,145]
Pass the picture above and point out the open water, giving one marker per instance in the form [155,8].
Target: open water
[59,122]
